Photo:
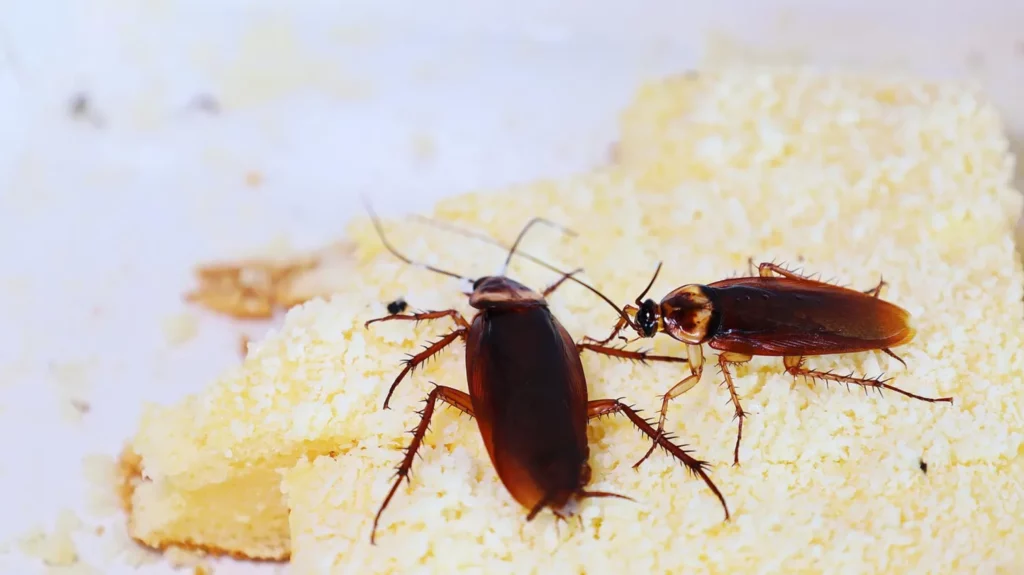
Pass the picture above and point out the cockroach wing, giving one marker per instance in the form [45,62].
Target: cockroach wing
[784,316]
[530,400]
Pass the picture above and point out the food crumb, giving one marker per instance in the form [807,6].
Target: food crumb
[100,473]
[253,179]
[243,345]
[81,406]
[55,548]
[180,328]
[203,570]
[397,306]
[179,557]
[424,148]
[923,465]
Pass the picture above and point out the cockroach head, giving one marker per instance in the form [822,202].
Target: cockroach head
[500,291]
[648,318]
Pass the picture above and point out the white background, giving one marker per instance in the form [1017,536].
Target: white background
[405,101]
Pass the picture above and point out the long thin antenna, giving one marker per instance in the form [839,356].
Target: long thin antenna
[488,239]
[522,232]
[648,288]
[396,253]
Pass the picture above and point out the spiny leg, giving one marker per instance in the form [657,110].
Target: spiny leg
[551,288]
[423,356]
[875,291]
[452,313]
[794,365]
[619,325]
[695,356]
[448,395]
[600,407]
[640,356]
[724,359]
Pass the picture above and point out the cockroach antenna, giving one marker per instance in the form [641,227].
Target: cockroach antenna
[383,238]
[488,239]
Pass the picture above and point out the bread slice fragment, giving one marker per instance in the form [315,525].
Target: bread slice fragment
[851,177]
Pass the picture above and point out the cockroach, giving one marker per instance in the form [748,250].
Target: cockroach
[527,389]
[397,306]
[776,313]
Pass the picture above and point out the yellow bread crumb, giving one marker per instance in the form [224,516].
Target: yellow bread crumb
[180,328]
[56,548]
[902,179]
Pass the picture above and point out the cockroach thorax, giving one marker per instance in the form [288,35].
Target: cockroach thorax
[500,291]
[688,314]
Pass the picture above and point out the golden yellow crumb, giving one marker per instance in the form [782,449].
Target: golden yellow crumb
[56,548]
[253,179]
[180,328]
[255,288]
[854,176]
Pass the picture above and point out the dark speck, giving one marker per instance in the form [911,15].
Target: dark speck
[924,466]
[397,306]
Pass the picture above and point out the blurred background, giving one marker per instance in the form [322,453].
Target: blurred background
[138,139]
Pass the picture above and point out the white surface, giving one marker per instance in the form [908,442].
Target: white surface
[100,227]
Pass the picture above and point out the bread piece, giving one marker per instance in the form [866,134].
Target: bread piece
[903,180]
[829,477]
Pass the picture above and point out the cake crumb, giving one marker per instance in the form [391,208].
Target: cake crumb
[203,569]
[423,148]
[180,557]
[100,473]
[253,179]
[55,548]
[243,345]
[180,328]
[246,289]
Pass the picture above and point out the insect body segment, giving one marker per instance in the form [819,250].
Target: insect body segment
[776,313]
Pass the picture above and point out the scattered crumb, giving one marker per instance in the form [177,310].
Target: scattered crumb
[100,473]
[81,406]
[253,179]
[180,328]
[923,465]
[55,548]
[424,148]
[255,288]
[179,557]
[100,530]
[243,346]
[203,569]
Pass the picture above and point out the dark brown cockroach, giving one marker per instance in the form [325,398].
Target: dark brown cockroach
[527,390]
[775,313]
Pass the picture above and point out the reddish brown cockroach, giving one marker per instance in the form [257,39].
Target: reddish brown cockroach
[527,390]
[776,313]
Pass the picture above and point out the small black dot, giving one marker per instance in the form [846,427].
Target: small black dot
[397,306]
[923,466]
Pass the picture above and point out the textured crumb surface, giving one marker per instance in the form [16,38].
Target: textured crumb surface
[845,176]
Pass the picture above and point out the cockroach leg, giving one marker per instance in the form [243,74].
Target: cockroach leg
[875,291]
[448,395]
[891,354]
[794,365]
[551,288]
[423,356]
[695,356]
[724,359]
[619,326]
[640,356]
[452,313]
[600,407]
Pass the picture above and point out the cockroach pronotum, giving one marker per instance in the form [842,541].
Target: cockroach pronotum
[527,389]
[775,313]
